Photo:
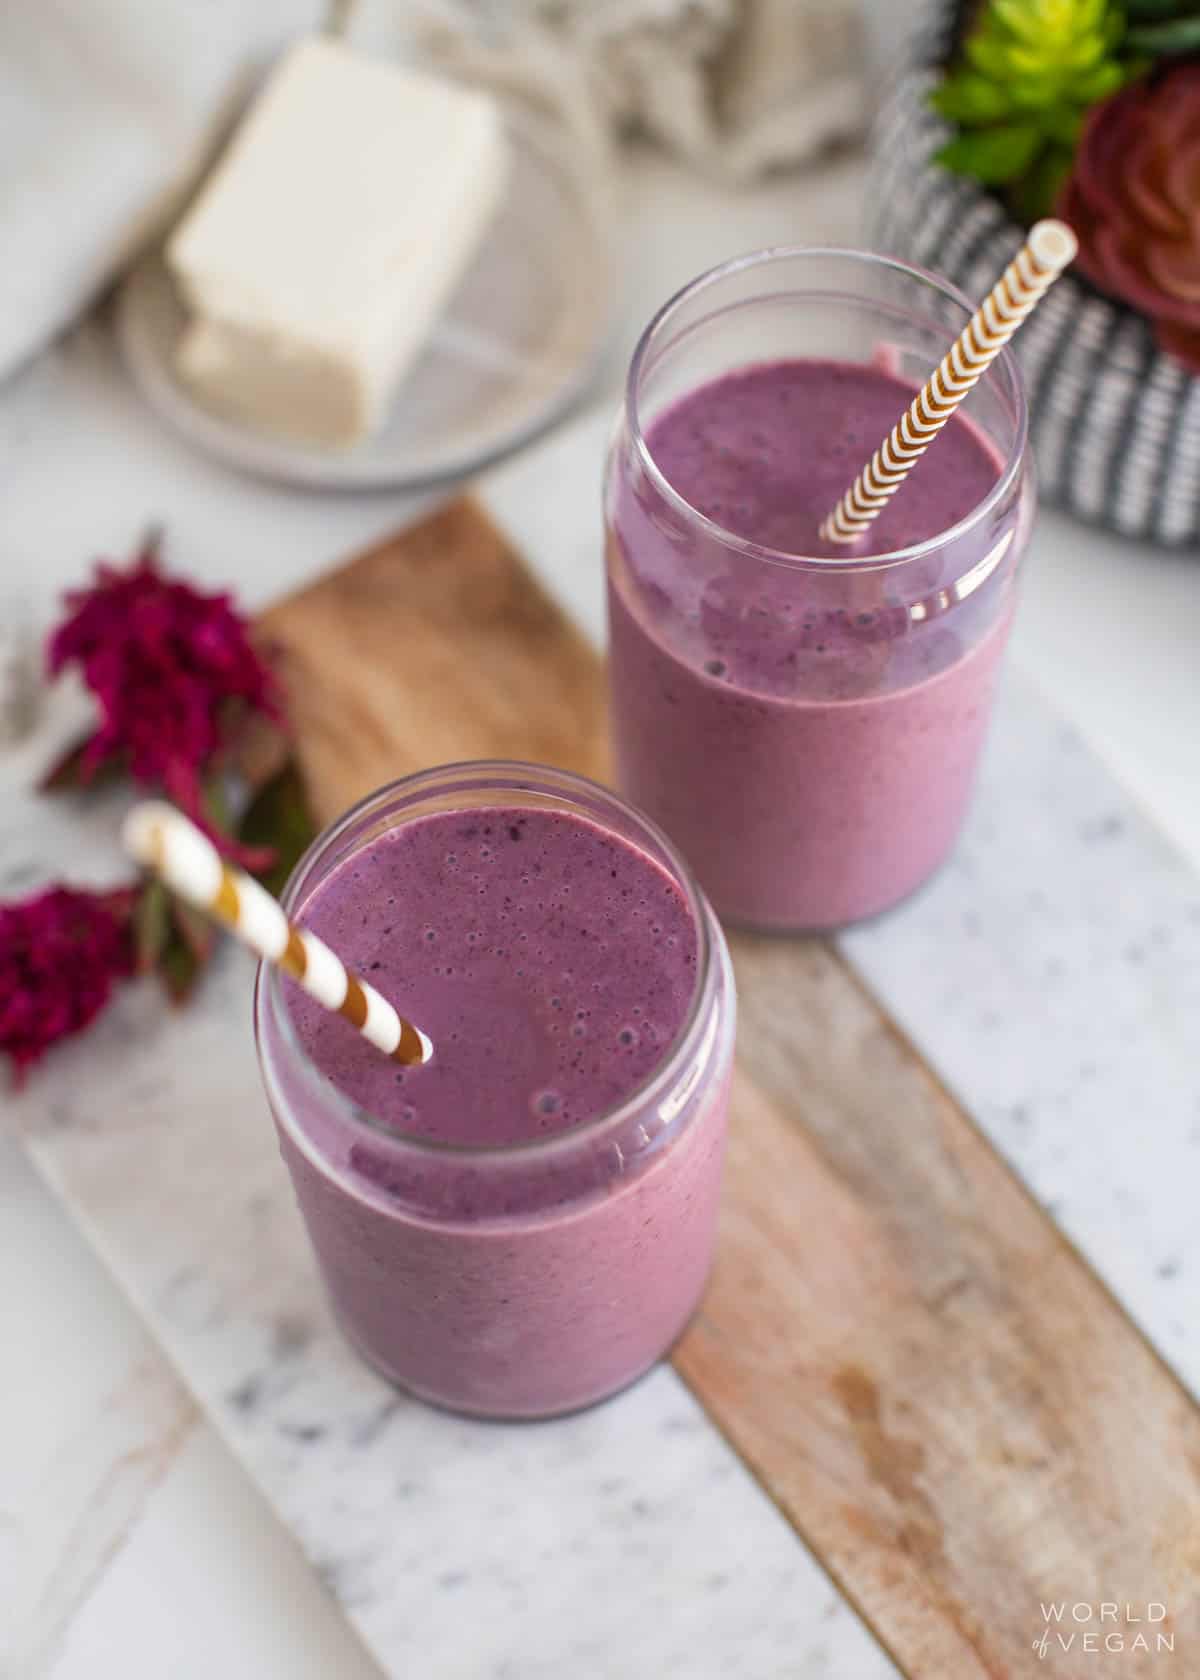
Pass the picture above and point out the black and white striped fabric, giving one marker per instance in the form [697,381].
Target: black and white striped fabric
[1115,423]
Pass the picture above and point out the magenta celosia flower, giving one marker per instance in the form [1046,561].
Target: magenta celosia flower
[170,667]
[61,954]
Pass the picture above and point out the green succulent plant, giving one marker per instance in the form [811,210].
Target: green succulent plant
[1030,72]
[1163,28]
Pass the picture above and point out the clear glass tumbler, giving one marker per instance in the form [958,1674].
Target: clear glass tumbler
[523,1280]
[806,725]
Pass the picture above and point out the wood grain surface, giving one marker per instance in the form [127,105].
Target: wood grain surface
[434,647]
[933,1386]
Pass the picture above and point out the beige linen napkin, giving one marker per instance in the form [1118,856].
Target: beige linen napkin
[736,87]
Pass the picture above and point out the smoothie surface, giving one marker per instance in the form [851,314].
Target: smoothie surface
[767,450]
[552,963]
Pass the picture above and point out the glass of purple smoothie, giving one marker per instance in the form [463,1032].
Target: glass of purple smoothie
[523,1225]
[805,721]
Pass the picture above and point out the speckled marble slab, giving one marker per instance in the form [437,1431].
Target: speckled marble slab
[626,1539]
[78,1468]
[455,1549]
[468,1550]
[1051,975]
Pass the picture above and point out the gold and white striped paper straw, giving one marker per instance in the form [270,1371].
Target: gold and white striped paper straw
[1050,247]
[162,838]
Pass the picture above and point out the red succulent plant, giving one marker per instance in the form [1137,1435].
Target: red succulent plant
[61,954]
[1133,198]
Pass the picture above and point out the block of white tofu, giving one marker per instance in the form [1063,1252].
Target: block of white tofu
[318,255]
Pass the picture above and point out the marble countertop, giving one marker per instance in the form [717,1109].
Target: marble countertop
[131,1541]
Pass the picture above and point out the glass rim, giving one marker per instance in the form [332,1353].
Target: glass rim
[502,775]
[662,317]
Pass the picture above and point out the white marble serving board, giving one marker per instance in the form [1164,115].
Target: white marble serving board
[1052,974]
[456,1548]
[79,1465]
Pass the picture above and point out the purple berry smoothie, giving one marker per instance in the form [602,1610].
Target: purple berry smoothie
[808,738]
[488,1238]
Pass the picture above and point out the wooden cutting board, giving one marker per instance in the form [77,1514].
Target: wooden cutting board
[936,1390]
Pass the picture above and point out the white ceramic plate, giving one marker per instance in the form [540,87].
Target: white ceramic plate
[515,347]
